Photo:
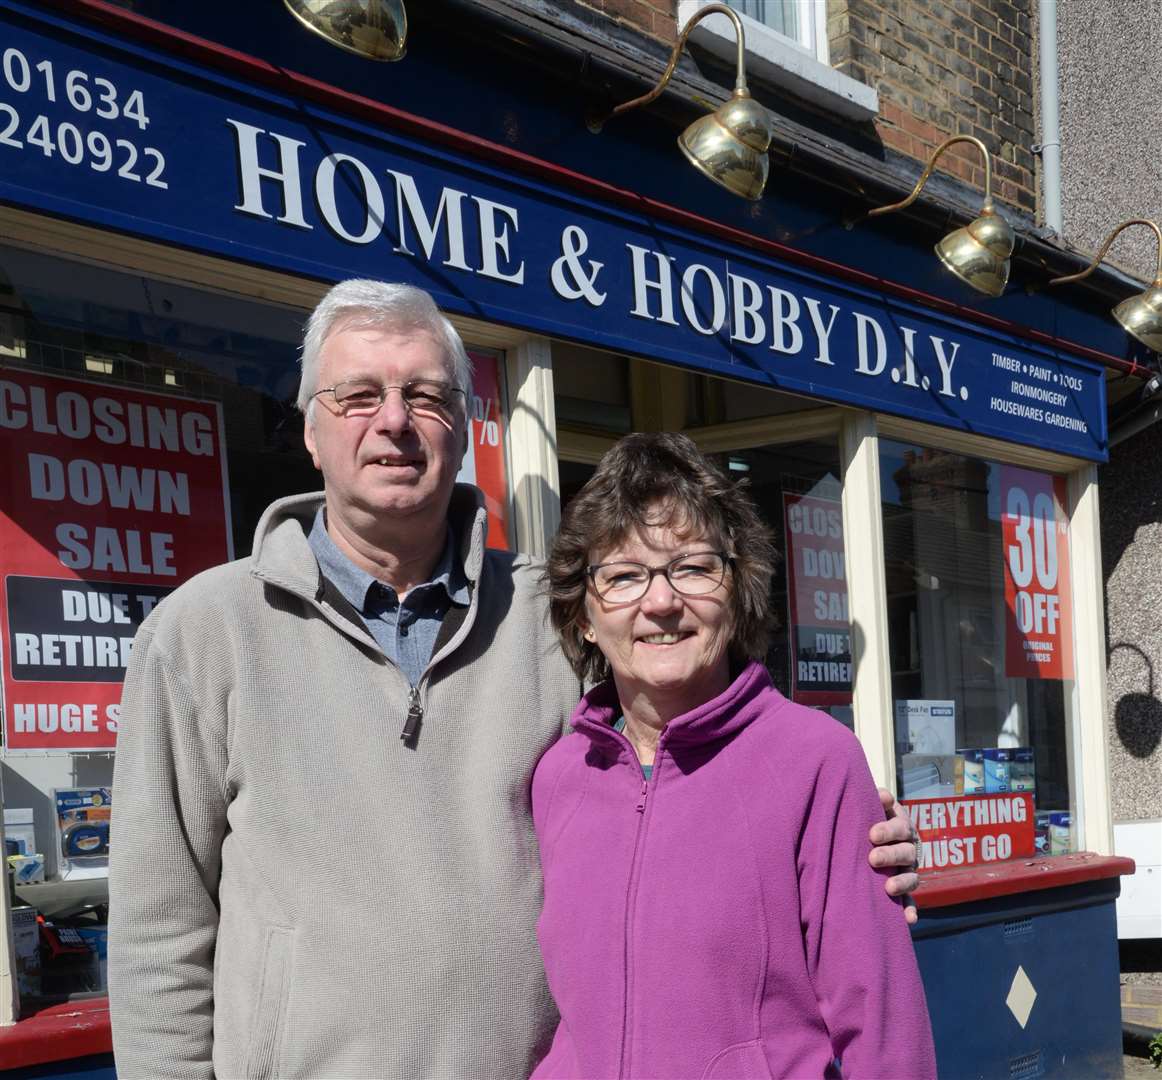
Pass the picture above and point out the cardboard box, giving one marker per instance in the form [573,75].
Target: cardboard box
[19,831]
[27,869]
[1022,770]
[929,776]
[973,770]
[1060,832]
[26,949]
[996,769]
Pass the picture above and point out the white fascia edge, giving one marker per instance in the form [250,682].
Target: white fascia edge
[775,59]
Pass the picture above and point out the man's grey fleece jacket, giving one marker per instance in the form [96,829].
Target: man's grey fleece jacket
[294,890]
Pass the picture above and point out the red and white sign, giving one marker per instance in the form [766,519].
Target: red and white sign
[109,499]
[484,462]
[965,830]
[820,629]
[1035,539]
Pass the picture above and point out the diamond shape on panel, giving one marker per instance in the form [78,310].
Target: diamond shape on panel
[1021,997]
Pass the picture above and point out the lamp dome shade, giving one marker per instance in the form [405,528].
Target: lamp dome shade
[375,29]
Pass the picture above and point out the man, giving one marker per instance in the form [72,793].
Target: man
[325,863]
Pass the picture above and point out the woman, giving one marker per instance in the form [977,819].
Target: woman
[709,910]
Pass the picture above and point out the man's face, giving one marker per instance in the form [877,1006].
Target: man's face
[385,461]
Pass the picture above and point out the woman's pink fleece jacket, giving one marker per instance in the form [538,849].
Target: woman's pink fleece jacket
[721,919]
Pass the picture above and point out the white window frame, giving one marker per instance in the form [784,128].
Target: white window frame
[800,67]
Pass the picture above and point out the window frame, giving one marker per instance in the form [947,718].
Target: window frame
[803,68]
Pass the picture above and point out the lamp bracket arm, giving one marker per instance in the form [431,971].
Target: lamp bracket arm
[903,204]
[740,85]
[1106,246]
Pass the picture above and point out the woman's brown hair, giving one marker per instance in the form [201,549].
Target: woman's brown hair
[659,479]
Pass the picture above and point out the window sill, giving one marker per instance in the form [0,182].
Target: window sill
[775,60]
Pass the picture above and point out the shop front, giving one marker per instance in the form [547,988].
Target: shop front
[171,207]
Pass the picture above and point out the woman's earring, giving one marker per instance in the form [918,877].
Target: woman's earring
[589,635]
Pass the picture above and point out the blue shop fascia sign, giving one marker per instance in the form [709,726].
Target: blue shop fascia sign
[104,131]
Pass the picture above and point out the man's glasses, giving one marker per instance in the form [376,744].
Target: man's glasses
[363,397]
[695,574]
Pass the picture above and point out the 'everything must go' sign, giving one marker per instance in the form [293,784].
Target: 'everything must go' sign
[92,538]
[968,829]
[112,133]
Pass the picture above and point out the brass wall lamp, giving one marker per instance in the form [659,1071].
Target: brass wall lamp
[375,29]
[979,252]
[1141,315]
[729,145]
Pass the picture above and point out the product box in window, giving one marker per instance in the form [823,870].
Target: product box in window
[996,769]
[931,776]
[1060,832]
[26,869]
[1041,832]
[1022,770]
[19,831]
[83,828]
[26,949]
[973,770]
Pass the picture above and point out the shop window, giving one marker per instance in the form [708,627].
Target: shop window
[981,646]
[591,389]
[144,426]
[797,489]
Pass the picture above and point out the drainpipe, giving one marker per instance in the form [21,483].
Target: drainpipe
[1050,148]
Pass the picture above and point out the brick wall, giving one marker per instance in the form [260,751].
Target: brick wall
[942,67]
[658,18]
[947,67]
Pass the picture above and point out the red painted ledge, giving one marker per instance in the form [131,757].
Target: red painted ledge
[74,1029]
[942,888]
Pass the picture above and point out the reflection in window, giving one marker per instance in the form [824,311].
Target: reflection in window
[980,644]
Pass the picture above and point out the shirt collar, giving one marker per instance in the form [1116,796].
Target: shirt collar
[353,582]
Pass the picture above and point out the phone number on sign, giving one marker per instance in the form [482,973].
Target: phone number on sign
[86,94]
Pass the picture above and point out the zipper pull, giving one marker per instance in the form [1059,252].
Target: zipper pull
[641,803]
[411,727]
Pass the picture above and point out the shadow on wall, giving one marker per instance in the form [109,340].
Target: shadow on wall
[1138,715]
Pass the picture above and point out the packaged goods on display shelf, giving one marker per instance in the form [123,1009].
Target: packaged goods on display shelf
[1041,832]
[26,949]
[1022,770]
[973,770]
[26,869]
[82,816]
[19,831]
[929,776]
[1060,832]
[996,769]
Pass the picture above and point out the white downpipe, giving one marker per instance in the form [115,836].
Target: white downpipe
[1050,115]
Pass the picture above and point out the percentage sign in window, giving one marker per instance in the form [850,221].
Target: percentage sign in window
[488,430]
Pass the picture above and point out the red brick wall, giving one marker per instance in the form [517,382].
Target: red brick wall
[658,18]
[947,67]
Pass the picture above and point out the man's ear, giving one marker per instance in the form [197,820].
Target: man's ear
[309,440]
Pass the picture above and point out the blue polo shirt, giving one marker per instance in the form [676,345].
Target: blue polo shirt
[406,632]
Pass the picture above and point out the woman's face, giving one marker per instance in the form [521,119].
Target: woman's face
[667,649]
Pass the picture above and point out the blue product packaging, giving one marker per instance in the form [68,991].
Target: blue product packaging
[1041,832]
[1060,832]
[1022,770]
[996,769]
[973,770]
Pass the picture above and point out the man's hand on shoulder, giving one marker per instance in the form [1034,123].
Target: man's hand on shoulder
[897,844]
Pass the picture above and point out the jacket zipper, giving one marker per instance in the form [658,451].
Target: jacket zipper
[631,899]
[415,716]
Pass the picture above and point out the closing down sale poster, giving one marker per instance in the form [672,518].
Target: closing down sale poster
[110,499]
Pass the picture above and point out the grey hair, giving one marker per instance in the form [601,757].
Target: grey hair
[362,303]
